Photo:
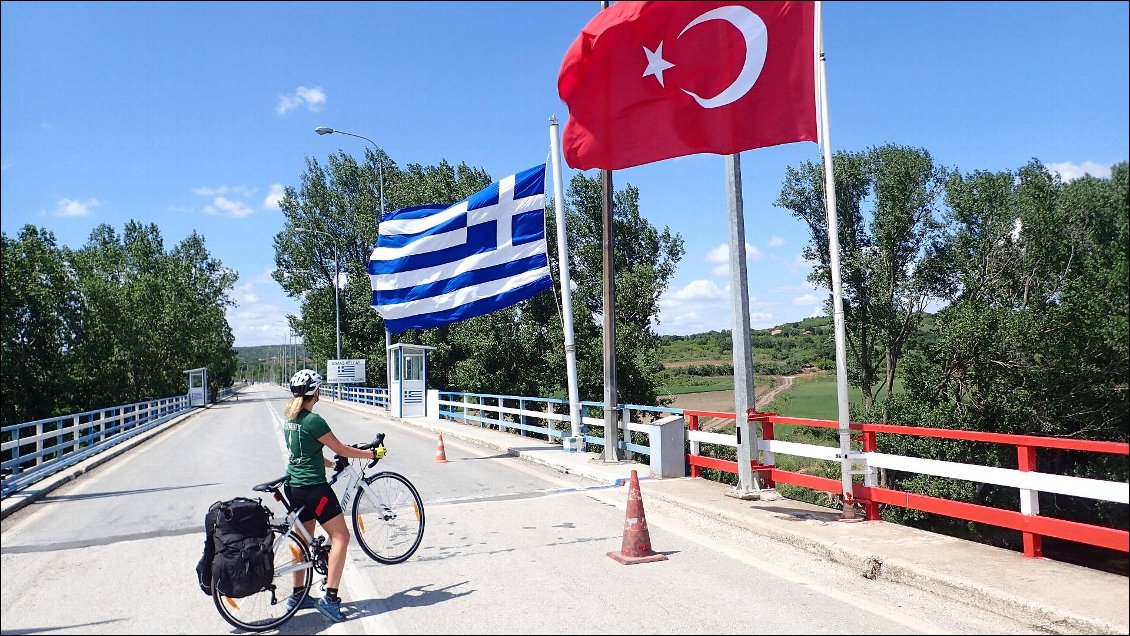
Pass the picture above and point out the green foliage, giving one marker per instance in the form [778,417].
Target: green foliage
[891,262]
[115,322]
[786,349]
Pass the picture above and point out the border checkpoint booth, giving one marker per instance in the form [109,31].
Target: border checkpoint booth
[197,387]
[408,379]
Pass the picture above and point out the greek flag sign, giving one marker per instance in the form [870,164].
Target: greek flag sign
[438,264]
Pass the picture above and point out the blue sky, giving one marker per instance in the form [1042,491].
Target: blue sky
[194,115]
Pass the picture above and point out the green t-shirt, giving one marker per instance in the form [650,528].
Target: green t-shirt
[306,467]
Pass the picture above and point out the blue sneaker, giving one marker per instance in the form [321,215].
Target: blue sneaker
[330,609]
[307,602]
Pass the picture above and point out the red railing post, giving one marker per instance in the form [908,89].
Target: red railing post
[1029,502]
[767,435]
[692,424]
[870,445]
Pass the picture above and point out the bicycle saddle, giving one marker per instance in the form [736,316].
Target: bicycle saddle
[270,486]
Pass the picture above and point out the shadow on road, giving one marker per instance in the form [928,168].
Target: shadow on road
[419,596]
[115,493]
[48,630]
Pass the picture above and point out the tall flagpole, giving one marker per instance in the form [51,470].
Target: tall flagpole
[848,512]
[576,441]
[611,427]
[748,436]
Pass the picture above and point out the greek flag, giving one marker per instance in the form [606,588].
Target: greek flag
[438,264]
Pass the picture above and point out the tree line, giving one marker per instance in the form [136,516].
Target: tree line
[1031,337]
[116,321]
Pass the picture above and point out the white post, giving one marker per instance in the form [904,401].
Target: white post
[834,262]
[576,442]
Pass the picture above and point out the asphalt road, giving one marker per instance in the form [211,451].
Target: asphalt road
[510,547]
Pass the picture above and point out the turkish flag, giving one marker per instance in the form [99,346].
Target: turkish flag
[646,81]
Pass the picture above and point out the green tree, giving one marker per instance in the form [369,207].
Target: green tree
[1035,340]
[887,201]
[117,321]
[40,309]
[645,259]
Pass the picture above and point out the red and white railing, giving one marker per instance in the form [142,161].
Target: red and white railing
[1030,483]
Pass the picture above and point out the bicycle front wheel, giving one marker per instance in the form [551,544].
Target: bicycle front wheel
[388,518]
[268,608]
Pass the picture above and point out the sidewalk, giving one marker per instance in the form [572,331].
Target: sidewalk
[1059,597]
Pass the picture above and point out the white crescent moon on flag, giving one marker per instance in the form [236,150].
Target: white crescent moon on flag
[756,44]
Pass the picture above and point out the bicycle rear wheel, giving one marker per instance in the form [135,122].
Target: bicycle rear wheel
[388,518]
[267,609]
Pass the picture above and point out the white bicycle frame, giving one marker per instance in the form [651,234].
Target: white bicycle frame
[354,481]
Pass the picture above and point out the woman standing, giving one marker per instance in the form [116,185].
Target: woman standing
[306,434]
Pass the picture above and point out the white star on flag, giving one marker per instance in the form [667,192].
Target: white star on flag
[655,63]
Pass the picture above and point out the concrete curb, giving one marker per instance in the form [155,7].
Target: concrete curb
[878,566]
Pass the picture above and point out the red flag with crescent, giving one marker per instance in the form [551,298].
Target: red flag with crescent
[646,81]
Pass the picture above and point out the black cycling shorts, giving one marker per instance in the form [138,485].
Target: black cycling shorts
[319,502]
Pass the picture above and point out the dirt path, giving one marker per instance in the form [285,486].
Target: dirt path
[723,401]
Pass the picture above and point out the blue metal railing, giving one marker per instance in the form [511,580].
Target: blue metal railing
[34,450]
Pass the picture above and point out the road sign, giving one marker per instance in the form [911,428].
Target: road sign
[345,371]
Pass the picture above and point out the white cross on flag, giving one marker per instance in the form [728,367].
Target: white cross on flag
[438,264]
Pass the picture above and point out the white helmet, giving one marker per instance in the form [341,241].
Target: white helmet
[305,383]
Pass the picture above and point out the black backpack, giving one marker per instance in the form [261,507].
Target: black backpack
[238,554]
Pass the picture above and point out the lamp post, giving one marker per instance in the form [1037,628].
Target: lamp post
[326,130]
[337,282]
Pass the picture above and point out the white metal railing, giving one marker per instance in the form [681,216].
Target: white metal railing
[374,396]
[33,450]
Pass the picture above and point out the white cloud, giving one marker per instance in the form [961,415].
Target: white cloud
[700,289]
[223,206]
[776,241]
[259,315]
[73,207]
[241,190]
[274,196]
[311,98]
[806,299]
[721,255]
[237,201]
[1069,171]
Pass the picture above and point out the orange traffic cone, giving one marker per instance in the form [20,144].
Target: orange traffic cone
[637,542]
[441,456]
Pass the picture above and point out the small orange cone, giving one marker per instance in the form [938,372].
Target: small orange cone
[637,542]
[441,456]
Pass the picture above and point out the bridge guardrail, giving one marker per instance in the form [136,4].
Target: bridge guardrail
[550,417]
[43,447]
[1030,483]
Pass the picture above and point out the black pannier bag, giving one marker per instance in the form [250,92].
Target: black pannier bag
[238,554]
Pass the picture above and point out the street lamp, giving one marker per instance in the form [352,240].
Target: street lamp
[326,130]
[337,282]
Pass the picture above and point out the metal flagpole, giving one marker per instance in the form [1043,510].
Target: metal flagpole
[611,426]
[837,296]
[577,440]
[744,402]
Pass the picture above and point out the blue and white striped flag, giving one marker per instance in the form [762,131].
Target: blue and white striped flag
[438,264]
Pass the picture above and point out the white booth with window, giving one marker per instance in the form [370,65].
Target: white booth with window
[197,387]
[408,379]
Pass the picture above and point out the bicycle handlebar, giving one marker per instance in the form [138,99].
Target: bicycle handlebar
[340,461]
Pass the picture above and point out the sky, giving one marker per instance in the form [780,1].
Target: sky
[195,115]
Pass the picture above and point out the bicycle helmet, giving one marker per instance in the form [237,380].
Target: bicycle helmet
[305,383]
